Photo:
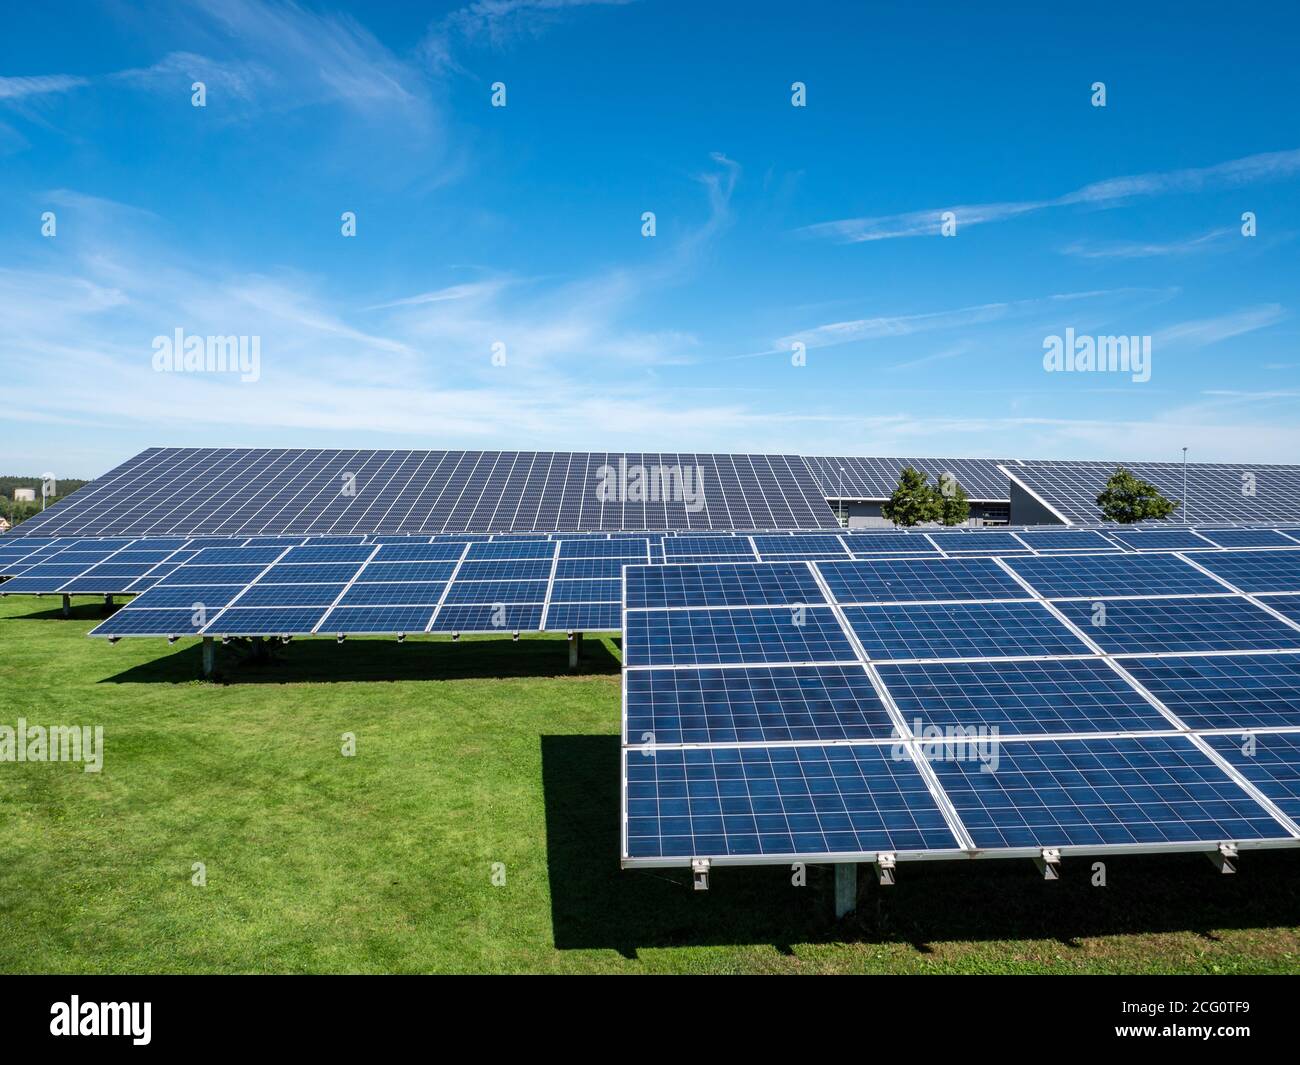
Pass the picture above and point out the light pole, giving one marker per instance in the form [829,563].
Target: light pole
[1185,510]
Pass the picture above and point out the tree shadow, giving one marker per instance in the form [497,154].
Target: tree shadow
[326,661]
[595,904]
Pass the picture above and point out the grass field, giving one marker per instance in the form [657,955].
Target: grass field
[470,754]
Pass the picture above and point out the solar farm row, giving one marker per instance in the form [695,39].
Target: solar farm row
[112,566]
[258,491]
[961,707]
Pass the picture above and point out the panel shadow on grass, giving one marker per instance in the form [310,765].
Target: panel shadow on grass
[425,658]
[597,905]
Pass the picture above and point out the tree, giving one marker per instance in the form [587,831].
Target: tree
[1128,499]
[954,503]
[914,500]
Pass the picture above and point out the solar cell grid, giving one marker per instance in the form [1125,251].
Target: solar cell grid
[1100,576]
[1155,626]
[1248,691]
[961,630]
[1020,698]
[767,705]
[1255,571]
[741,635]
[1102,792]
[1269,761]
[741,584]
[782,801]
[907,580]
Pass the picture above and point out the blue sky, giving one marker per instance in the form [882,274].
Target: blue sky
[481,225]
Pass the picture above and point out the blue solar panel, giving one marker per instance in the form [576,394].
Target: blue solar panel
[261,621]
[404,593]
[505,570]
[1068,540]
[211,596]
[629,548]
[802,545]
[705,637]
[903,580]
[1225,691]
[213,575]
[1097,576]
[497,592]
[389,619]
[1269,761]
[311,573]
[1248,538]
[1160,539]
[961,630]
[143,622]
[512,617]
[290,595]
[419,552]
[584,617]
[512,549]
[587,592]
[590,568]
[1256,571]
[778,801]
[236,556]
[1101,792]
[885,543]
[394,572]
[735,546]
[1285,604]
[314,553]
[754,705]
[1020,698]
[741,584]
[988,543]
[1153,626]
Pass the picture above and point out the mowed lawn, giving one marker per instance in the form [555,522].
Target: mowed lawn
[469,754]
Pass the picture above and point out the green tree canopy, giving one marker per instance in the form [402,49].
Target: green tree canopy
[1128,499]
[954,503]
[914,500]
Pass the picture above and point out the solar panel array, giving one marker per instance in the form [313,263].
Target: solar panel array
[253,491]
[1227,492]
[855,477]
[960,707]
[509,587]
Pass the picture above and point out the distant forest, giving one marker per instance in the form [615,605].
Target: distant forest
[16,512]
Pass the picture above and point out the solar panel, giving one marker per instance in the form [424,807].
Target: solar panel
[1099,576]
[1102,792]
[1160,540]
[852,477]
[1020,698]
[584,617]
[887,543]
[1269,761]
[906,580]
[1068,540]
[778,802]
[1160,626]
[676,706]
[1225,691]
[378,619]
[1248,538]
[1215,492]
[1000,543]
[741,584]
[708,637]
[346,492]
[1256,571]
[961,630]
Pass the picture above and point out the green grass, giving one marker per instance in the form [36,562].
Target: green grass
[469,754]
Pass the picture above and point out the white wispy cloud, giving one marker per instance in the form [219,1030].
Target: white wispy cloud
[1202,331]
[1214,239]
[39,85]
[495,23]
[1268,166]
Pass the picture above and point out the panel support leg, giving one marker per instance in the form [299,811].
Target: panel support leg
[108,603]
[209,656]
[846,889]
[67,606]
[575,649]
